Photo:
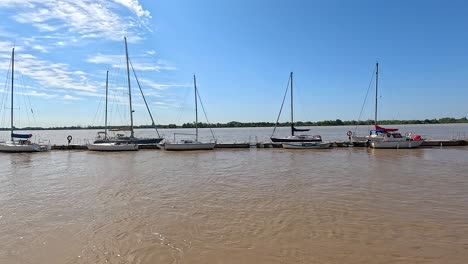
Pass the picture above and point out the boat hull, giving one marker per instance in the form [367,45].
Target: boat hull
[111,146]
[187,146]
[307,145]
[396,144]
[296,139]
[359,138]
[128,140]
[11,147]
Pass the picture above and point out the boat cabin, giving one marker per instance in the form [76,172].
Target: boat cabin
[386,135]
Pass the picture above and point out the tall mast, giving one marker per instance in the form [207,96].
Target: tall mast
[12,81]
[292,106]
[196,107]
[105,122]
[376,90]
[129,90]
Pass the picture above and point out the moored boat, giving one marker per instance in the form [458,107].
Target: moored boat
[112,146]
[23,146]
[132,139]
[188,144]
[19,142]
[389,138]
[103,143]
[297,138]
[306,145]
[293,137]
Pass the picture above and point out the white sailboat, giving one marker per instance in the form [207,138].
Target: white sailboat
[293,137]
[19,142]
[389,138]
[104,143]
[187,144]
[132,139]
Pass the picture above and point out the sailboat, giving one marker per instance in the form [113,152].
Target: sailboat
[293,137]
[104,143]
[188,144]
[121,138]
[389,138]
[19,142]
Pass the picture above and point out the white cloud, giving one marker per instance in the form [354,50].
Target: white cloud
[148,66]
[105,59]
[49,74]
[40,48]
[118,61]
[46,27]
[135,7]
[70,98]
[87,18]
[160,86]
[38,94]
[151,52]
[4,46]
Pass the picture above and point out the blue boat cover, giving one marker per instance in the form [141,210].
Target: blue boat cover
[300,129]
[21,135]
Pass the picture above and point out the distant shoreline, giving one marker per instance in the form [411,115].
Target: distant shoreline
[337,122]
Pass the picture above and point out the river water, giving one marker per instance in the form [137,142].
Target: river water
[256,134]
[344,205]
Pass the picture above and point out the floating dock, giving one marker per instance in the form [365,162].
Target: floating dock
[337,144]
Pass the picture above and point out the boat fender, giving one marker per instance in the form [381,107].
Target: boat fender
[349,133]
[69,138]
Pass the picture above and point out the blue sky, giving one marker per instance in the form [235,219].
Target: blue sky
[242,53]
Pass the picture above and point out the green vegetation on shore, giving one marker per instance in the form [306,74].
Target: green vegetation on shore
[337,122]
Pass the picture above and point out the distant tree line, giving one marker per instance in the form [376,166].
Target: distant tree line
[337,122]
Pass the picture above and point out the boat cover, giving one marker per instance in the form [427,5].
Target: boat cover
[300,129]
[382,129]
[21,135]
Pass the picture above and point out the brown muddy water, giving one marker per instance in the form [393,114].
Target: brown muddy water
[235,206]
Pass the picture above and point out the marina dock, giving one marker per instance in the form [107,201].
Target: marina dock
[336,144]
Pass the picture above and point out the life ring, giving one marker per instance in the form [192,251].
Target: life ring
[69,138]
[349,133]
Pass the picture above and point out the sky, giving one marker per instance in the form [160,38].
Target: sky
[241,52]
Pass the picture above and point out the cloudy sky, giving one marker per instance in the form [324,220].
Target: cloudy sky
[63,49]
[242,53]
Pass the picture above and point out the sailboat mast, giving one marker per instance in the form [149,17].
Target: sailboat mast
[12,81]
[196,107]
[105,122]
[129,90]
[376,90]
[292,106]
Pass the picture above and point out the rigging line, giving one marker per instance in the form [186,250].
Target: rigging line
[204,112]
[98,111]
[94,121]
[144,98]
[181,107]
[29,102]
[5,95]
[282,104]
[25,95]
[365,98]
[115,102]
